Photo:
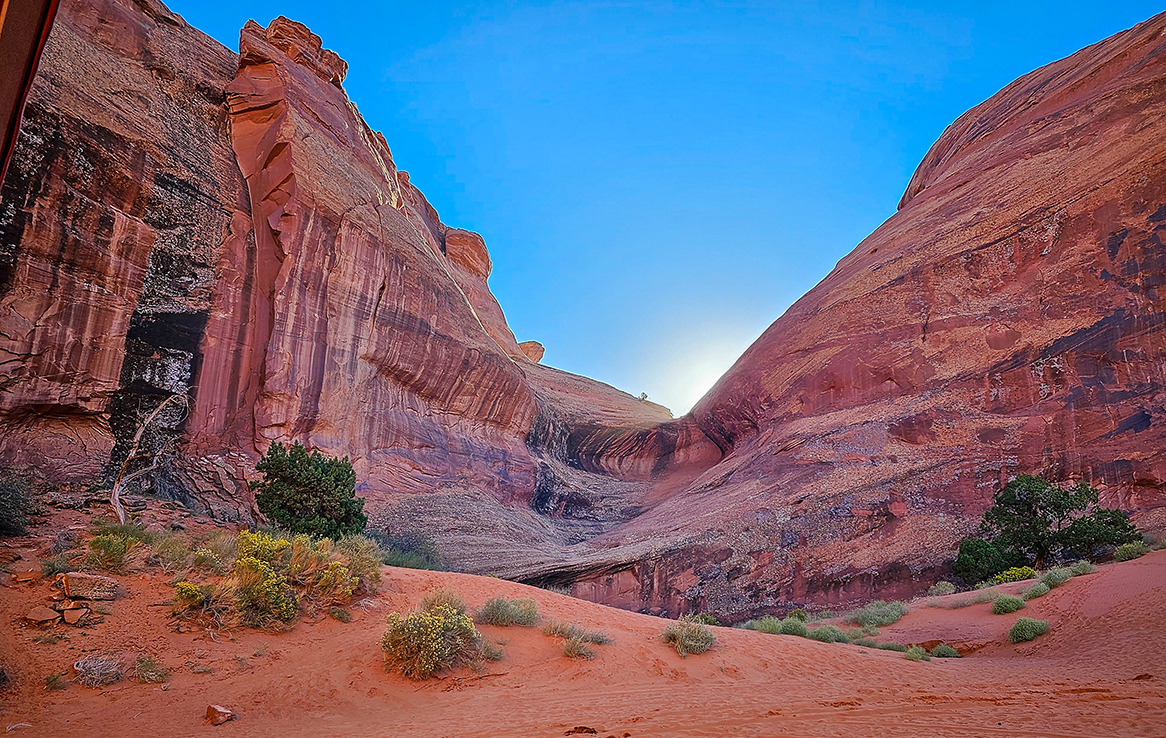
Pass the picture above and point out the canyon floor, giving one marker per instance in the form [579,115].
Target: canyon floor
[1098,672]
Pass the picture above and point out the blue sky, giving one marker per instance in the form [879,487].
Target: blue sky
[658,182]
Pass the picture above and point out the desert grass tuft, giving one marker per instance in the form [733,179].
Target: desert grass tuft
[443,596]
[940,589]
[569,631]
[341,614]
[149,671]
[1056,577]
[1082,567]
[501,611]
[688,636]
[827,634]
[574,648]
[892,646]
[1040,589]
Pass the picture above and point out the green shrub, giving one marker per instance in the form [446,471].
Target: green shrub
[892,646]
[424,643]
[571,631]
[768,624]
[944,651]
[443,596]
[1056,577]
[794,626]
[705,619]
[916,653]
[866,641]
[1031,518]
[1006,604]
[1131,551]
[1082,567]
[827,634]
[855,633]
[1026,629]
[341,614]
[940,589]
[1015,574]
[878,613]
[308,492]
[798,613]
[501,611]
[978,560]
[128,531]
[574,648]
[149,671]
[262,595]
[688,636]
[15,504]
[1040,589]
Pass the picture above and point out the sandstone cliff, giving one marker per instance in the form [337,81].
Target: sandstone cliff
[183,220]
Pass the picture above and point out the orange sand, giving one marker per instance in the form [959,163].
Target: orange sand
[1098,672]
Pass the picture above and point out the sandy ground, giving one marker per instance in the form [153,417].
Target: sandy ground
[1098,672]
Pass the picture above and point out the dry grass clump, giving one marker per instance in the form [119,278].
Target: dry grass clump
[443,596]
[424,643]
[171,552]
[865,641]
[55,682]
[149,671]
[98,671]
[109,552]
[571,631]
[877,613]
[501,611]
[1007,604]
[575,648]
[365,558]
[688,636]
[940,589]
[341,614]
[892,646]
[1026,629]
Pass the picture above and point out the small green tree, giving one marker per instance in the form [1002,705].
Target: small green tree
[1033,518]
[309,492]
[977,560]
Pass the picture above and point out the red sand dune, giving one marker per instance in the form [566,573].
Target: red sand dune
[1098,672]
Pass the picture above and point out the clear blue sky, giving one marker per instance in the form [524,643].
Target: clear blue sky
[657,182]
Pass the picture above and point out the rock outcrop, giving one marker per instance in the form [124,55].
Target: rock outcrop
[182,220]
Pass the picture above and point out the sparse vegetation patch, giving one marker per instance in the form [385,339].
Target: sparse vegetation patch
[1006,604]
[878,613]
[1026,629]
[688,636]
[501,611]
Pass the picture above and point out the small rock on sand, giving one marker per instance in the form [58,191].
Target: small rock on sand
[217,714]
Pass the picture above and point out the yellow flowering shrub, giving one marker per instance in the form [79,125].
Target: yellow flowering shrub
[261,593]
[262,546]
[334,582]
[1015,574]
[187,596]
[424,643]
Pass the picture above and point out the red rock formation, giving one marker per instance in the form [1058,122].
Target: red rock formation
[1008,319]
[234,233]
[533,350]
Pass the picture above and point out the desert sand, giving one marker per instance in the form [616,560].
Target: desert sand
[1098,672]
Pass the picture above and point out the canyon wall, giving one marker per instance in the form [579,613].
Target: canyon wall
[183,221]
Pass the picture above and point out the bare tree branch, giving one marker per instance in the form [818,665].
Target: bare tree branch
[122,477]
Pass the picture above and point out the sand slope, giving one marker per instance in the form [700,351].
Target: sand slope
[1098,672]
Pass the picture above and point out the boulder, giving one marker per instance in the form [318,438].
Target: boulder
[42,616]
[89,586]
[217,714]
[533,350]
[76,617]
